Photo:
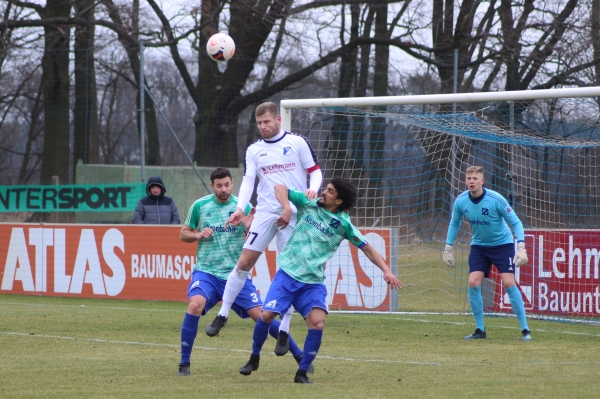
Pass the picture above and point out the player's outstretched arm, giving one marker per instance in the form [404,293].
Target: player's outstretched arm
[281,193]
[378,261]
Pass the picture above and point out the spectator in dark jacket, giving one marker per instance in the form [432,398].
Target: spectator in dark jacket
[156,208]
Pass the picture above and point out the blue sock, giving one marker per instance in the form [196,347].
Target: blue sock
[477,306]
[274,331]
[189,329]
[518,307]
[261,332]
[311,347]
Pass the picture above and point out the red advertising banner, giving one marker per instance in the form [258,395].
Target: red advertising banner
[562,275]
[151,263]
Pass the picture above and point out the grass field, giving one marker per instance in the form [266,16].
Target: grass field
[82,348]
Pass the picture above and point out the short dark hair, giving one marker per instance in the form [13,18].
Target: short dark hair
[267,107]
[220,173]
[346,191]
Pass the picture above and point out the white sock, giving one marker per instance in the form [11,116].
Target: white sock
[235,283]
[285,320]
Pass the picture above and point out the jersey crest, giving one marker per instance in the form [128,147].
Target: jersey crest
[288,152]
[335,223]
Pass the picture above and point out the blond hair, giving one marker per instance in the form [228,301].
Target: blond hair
[267,107]
[474,169]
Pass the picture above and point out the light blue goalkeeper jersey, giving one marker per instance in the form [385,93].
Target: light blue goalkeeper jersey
[488,216]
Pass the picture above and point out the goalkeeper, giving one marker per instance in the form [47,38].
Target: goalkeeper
[492,243]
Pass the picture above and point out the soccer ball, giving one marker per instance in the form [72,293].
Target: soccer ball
[220,47]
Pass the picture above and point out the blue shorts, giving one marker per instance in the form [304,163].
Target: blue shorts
[211,288]
[481,258]
[285,291]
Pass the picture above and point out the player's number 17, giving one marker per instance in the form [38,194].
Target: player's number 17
[250,233]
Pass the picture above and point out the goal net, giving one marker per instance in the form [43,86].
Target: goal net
[407,155]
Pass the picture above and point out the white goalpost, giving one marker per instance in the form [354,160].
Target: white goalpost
[407,155]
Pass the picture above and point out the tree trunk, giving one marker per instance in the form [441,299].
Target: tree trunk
[32,134]
[358,149]
[340,129]
[55,64]
[85,141]
[152,142]
[595,35]
[446,39]
[216,119]
[377,135]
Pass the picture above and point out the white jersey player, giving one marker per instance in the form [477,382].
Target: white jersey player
[279,158]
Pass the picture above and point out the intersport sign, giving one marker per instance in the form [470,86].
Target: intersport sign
[152,263]
[562,275]
[72,197]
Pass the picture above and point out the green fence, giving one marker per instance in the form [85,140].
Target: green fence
[182,183]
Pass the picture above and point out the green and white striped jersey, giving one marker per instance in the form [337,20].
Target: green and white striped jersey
[218,254]
[316,237]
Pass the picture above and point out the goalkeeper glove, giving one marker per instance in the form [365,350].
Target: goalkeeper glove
[448,256]
[521,255]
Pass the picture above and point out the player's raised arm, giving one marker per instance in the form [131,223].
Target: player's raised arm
[316,179]
[378,261]
[281,193]
[246,189]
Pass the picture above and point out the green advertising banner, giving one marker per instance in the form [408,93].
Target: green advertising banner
[71,198]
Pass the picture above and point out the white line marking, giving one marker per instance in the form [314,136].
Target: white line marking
[379,316]
[458,323]
[334,358]
[184,306]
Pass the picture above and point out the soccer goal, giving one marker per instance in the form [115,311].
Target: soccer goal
[408,154]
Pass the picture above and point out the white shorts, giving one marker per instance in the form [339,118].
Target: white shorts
[264,228]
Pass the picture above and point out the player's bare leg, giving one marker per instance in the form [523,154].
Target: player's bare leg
[235,283]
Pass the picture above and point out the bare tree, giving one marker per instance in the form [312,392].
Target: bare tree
[55,66]
[340,130]
[595,36]
[85,118]
[129,38]
[221,95]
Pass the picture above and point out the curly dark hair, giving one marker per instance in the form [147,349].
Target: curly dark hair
[346,191]
[220,173]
